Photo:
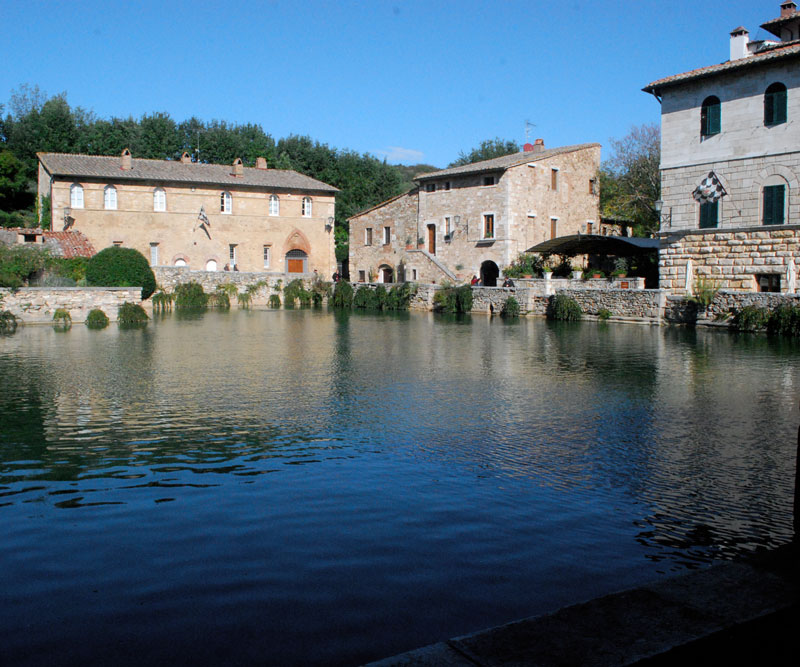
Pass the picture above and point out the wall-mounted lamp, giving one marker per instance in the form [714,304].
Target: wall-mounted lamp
[659,206]
[329,224]
[68,219]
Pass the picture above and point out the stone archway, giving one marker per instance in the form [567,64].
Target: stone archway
[489,273]
[385,274]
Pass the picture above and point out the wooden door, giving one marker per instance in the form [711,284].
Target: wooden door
[432,239]
[294,265]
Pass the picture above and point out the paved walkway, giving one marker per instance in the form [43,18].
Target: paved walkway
[735,613]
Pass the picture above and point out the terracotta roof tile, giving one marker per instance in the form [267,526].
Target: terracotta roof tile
[72,243]
[173,171]
[504,162]
[769,54]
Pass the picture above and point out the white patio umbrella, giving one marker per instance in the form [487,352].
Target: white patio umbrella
[791,277]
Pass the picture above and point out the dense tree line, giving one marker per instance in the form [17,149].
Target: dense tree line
[35,123]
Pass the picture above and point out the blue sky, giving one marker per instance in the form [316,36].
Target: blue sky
[406,80]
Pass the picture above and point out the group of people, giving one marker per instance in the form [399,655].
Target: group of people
[477,282]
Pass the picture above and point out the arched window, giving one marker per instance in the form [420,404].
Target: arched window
[180,262]
[159,199]
[76,196]
[710,117]
[296,261]
[110,198]
[775,104]
[307,207]
[225,203]
[274,205]
[211,265]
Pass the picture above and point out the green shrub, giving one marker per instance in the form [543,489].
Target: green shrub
[510,308]
[274,301]
[131,314]
[219,298]
[245,299]
[451,299]
[380,297]
[62,318]
[704,292]
[162,301]
[399,296]
[343,295]
[365,298]
[562,307]
[96,319]
[20,263]
[8,322]
[190,296]
[603,314]
[121,267]
[525,265]
[295,291]
[784,321]
[750,318]
[316,299]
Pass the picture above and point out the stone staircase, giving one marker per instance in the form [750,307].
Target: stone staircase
[439,265]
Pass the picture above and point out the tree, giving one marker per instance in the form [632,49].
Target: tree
[14,193]
[630,181]
[488,149]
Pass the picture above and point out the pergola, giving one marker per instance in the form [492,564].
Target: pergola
[594,244]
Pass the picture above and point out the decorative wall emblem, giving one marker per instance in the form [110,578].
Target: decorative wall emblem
[710,190]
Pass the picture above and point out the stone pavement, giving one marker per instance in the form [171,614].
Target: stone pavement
[735,613]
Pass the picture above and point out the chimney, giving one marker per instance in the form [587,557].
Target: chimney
[261,163]
[739,41]
[538,146]
[788,8]
[238,169]
[186,158]
[125,160]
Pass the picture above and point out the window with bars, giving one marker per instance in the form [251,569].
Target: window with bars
[774,200]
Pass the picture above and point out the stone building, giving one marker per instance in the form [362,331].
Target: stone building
[475,219]
[203,216]
[730,161]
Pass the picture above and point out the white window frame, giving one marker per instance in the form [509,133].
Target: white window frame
[447,227]
[267,251]
[307,207]
[76,196]
[159,200]
[387,235]
[110,198]
[232,254]
[154,254]
[274,205]
[225,203]
[483,225]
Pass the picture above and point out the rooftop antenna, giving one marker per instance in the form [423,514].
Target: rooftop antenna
[528,127]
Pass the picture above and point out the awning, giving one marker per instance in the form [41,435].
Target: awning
[594,244]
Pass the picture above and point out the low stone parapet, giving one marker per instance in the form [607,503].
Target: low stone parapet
[37,305]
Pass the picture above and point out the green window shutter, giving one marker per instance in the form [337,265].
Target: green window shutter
[780,107]
[773,204]
[714,118]
[708,215]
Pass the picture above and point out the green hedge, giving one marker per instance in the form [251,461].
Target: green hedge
[96,319]
[121,267]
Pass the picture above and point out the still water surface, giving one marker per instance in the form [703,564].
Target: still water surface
[299,487]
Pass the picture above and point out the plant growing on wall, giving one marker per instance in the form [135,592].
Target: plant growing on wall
[343,295]
[244,299]
[8,322]
[162,301]
[121,267]
[62,319]
[750,318]
[704,292]
[562,307]
[450,299]
[131,314]
[784,321]
[510,308]
[274,301]
[96,319]
[190,296]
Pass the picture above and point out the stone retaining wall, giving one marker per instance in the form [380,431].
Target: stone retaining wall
[644,305]
[36,305]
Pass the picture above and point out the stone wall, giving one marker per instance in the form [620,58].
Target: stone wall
[36,305]
[732,258]
[640,305]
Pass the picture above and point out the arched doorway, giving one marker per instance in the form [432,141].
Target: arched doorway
[386,274]
[296,262]
[489,273]
[211,265]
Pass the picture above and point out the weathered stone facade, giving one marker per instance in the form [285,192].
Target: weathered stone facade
[244,224]
[37,305]
[476,219]
[733,127]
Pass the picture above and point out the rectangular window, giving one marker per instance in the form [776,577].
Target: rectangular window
[553,228]
[387,235]
[117,243]
[768,282]
[554,179]
[488,226]
[362,276]
[774,197]
[593,187]
[368,236]
[447,185]
[447,229]
[413,274]
[232,254]
[489,180]
[430,187]
[154,254]
[708,215]
[266,256]
[589,227]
